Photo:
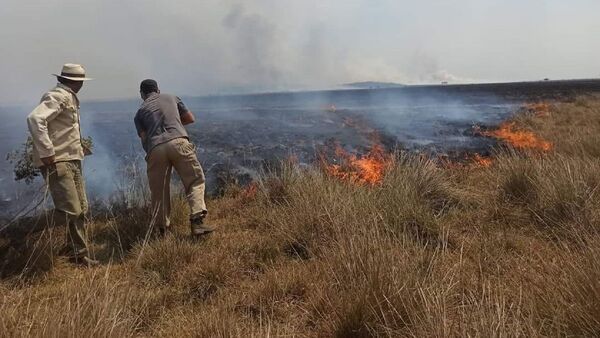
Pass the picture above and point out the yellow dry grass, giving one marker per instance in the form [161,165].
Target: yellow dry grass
[506,250]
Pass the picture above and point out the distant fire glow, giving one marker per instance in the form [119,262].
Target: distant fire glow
[250,191]
[482,161]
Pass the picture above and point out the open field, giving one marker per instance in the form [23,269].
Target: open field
[509,248]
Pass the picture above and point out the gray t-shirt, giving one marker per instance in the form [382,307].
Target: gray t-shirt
[160,118]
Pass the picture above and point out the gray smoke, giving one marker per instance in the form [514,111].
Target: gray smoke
[223,46]
[255,41]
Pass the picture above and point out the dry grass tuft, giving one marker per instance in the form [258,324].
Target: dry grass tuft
[89,305]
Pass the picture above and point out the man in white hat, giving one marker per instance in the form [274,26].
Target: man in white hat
[58,152]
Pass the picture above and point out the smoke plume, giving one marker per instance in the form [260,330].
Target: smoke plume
[217,47]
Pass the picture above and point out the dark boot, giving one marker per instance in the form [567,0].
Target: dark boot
[198,226]
[161,232]
[81,257]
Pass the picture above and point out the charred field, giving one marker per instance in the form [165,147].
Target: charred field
[240,137]
[337,217]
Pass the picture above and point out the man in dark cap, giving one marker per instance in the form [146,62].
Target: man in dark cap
[160,124]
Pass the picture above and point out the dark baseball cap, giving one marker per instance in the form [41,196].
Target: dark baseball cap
[149,86]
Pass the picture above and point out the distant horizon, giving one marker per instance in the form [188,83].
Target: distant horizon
[340,87]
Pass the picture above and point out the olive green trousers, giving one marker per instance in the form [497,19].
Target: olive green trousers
[65,183]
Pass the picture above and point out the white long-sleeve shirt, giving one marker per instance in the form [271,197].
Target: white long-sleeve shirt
[54,126]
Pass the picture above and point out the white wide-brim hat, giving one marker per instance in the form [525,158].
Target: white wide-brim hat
[73,72]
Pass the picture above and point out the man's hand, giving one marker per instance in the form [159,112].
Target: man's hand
[187,118]
[87,151]
[48,161]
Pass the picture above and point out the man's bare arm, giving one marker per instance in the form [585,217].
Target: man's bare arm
[187,118]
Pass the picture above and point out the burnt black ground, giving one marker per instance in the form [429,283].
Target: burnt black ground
[241,134]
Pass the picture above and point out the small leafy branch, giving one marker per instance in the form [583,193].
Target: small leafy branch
[22,159]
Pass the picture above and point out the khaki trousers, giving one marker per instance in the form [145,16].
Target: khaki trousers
[181,155]
[66,186]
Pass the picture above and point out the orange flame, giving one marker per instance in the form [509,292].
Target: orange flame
[468,161]
[368,169]
[482,161]
[518,138]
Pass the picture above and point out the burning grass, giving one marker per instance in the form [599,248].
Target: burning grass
[482,161]
[416,249]
[521,139]
[514,134]
[367,169]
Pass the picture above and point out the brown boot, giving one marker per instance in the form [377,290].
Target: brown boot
[198,226]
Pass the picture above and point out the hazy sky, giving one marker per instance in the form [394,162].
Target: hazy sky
[195,47]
